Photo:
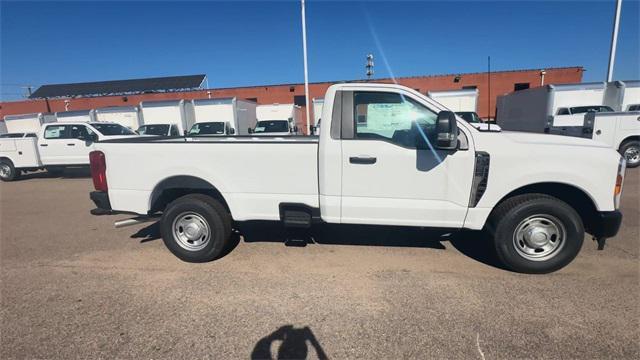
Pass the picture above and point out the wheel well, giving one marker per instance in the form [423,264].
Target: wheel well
[580,201]
[3,158]
[177,186]
[630,138]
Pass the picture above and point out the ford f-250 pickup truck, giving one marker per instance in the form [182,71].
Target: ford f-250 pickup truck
[388,155]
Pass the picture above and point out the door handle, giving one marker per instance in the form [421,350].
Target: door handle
[44,144]
[367,160]
[71,144]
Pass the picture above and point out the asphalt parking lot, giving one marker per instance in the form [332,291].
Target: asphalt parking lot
[73,286]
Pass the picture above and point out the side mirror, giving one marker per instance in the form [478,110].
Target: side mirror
[447,131]
[295,128]
[88,137]
[250,130]
[232,131]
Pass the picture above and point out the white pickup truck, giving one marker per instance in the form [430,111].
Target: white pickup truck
[387,155]
[58,145]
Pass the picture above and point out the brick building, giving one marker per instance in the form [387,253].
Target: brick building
[501,82]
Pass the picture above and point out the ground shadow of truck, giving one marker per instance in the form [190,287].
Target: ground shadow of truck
[69,173]
[473,244]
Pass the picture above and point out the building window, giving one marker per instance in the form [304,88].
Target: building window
[470,87]
[299,100]
[292,88]
[520,86]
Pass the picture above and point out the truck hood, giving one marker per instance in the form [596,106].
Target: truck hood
[548,139]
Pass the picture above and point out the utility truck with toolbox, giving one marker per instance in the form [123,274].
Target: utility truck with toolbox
[166,118]
[56,146]
[580,110]
[387,155]
[278,120]
[224,116]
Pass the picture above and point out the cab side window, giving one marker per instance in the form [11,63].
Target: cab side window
[173,131]
[394,118]
[79,131]
[54,132]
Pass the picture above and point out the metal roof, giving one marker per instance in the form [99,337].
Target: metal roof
[120,87]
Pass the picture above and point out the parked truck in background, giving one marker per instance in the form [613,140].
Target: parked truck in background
[581,110]
[76,116]
[227,116]
[27,123]
[387,155]
[57,146]
[166,118]
[317,114]
[127,116]
[279,119]
[465,104]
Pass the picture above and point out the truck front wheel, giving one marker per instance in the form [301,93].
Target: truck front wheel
[195,228]
[7,171]
[536,233]
[630,149]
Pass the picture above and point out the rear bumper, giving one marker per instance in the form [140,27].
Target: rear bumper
[606,224]
[101,199]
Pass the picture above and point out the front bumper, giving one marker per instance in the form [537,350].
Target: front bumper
[606,224]
[101,199]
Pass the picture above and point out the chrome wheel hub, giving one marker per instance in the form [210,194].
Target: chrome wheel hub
[539,237]
[632,155]
[4,170]
[191,231]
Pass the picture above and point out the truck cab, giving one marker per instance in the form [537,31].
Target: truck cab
[214,128]
[159,130]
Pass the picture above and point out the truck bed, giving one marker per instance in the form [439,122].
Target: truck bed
[253,174]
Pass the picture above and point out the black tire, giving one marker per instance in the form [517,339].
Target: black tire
[634,147]
[214,214]
[519,210]
[7,171]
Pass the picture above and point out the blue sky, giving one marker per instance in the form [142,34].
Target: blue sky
[254,43]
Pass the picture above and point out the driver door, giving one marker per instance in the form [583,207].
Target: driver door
[392,174]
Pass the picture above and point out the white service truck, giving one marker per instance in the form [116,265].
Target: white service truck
[580,110]
[76,116]
[388,155]
[278,120]
[317,114]
[127,116]
[465,104]
[57,146]
[166,118]
[225,116]
[27,123]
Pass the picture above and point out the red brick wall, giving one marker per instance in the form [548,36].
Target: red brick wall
[502,82]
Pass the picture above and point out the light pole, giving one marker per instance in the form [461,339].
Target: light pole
[614,41]
[306,74]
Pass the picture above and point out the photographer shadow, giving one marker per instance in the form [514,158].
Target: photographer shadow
[293,344]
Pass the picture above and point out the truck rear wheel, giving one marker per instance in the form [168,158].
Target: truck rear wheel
[631,151]
[7,171]
[536,233]
[196,228]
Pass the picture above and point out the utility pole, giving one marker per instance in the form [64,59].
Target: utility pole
[306,73]
[369,66]
[614,41]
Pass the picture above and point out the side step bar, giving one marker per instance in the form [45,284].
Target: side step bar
[134,221]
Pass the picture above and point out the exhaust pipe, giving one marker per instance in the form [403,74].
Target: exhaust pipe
[133,221]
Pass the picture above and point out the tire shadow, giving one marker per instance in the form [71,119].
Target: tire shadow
[476,245]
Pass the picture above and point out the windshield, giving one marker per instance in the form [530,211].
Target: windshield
[593,108]
[112,129]
[635,107]
[160,130]
[271,126]
[210,128]
[469,116]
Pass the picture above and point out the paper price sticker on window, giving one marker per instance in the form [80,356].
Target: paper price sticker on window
[52,132]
